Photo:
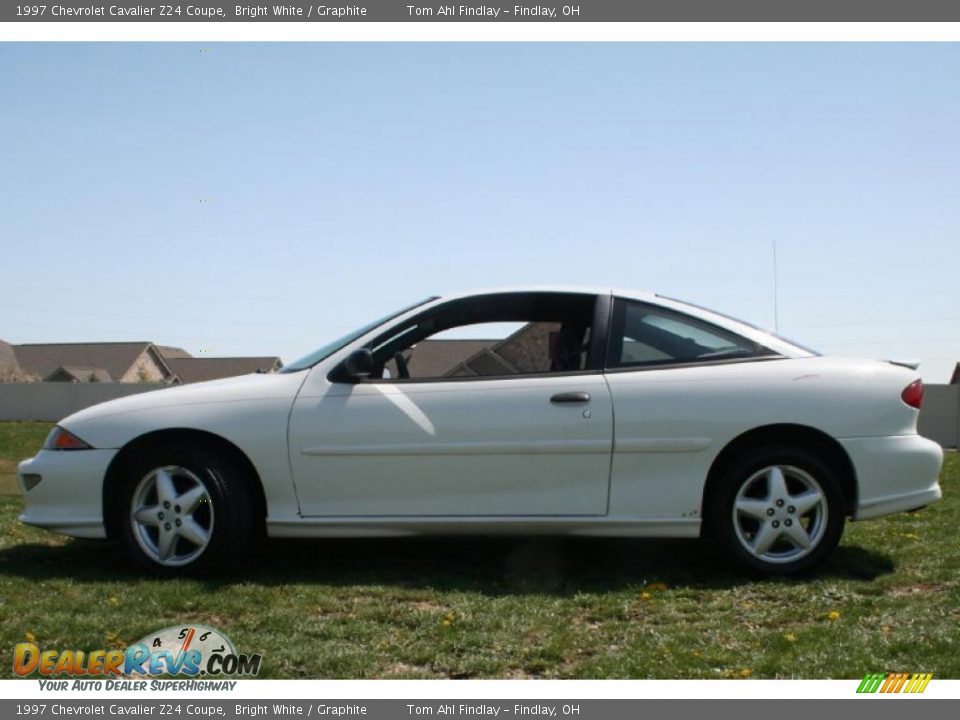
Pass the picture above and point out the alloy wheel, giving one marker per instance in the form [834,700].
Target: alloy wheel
[780,514]
[172,516]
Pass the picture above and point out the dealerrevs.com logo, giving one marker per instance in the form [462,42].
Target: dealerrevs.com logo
[888,683]
[179,651]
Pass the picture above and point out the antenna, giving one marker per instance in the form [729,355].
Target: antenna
[776,308]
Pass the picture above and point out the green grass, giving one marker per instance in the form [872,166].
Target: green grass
[18,441]
[500,607]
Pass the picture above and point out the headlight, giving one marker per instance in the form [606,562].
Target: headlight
[60,439]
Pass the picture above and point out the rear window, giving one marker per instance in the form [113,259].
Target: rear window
[644,334]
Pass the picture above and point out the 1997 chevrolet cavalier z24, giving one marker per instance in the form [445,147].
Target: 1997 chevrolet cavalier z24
[531,411]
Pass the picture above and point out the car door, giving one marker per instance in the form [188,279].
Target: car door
[678,385]
[522,445]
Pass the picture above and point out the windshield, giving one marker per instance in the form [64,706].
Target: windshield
[331,347]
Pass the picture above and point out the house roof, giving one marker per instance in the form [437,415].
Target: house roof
[8,359]
[80,374]
[168,351]
[955,378]
[436,358]
[191,369]
[115,358]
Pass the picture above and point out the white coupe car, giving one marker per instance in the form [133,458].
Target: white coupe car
[531,411]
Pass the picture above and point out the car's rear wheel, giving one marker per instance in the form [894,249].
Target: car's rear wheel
[778,511]
[185,509]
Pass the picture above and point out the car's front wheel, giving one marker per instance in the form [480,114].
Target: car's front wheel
[185,509]
[778,511]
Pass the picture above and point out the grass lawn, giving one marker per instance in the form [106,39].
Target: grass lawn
[889,600]
[18,441]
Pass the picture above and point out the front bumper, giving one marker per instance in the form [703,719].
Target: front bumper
[68,498]
[894,474]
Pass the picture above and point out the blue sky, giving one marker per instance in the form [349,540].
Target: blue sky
[264,198]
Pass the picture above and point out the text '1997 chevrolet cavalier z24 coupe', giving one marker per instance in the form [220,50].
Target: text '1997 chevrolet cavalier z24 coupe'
[525,411]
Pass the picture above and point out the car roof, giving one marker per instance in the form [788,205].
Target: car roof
[764,337]
[574,289]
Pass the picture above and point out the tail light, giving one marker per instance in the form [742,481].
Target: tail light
[912,395]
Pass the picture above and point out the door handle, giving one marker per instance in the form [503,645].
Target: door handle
[570,397]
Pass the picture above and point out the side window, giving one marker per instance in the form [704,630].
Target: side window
[485,349]
[499,336]
[644,335]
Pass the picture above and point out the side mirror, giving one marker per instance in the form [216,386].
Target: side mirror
[357,366]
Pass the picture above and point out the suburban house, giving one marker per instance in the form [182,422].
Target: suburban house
[121,362]
[9,367]
[191,369]
[439,358]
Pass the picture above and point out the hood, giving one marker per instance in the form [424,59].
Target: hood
[256,386]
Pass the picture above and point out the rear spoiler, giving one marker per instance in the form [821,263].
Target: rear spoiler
[911,364]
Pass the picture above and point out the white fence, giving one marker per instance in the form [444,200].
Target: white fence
[939,419]
[53,401]
[940,416]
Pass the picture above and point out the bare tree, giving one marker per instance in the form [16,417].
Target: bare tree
[16,375]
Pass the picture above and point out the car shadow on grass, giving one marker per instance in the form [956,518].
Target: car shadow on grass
[494,566]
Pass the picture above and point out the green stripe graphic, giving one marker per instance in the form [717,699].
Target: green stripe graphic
[871,682]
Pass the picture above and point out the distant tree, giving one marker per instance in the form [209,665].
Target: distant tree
[17,376]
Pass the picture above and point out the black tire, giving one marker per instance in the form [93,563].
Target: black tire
[230,521]
[742,483]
